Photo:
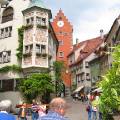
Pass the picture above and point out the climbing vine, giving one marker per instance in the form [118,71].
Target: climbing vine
[8,68]
[20,40]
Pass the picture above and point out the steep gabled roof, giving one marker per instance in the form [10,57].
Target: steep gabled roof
[76,46]
[90,47]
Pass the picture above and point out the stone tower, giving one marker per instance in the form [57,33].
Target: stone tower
[64,32]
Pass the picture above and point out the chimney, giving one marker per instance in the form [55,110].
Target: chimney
[101,34]
[77,41]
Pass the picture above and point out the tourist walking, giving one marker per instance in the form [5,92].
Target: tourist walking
[58,107]
[34,110]
[89,110]
[23,112]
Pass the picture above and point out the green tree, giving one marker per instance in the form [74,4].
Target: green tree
[36,84]
[110,97]
[59,68]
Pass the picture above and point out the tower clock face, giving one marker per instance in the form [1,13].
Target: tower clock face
[60,23]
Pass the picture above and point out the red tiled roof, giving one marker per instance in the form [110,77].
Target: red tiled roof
[90,46]
[76,46]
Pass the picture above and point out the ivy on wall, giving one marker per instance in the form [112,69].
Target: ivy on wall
[20,40]
[8,68]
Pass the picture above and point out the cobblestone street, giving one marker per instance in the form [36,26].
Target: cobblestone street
[77,110]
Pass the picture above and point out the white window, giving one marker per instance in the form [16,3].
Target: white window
[41,21]
[60,42]
[43,49]
[28,48]
[61,54]
[5,32]
[5,57]
[29,21]
[86,64]
[40,48]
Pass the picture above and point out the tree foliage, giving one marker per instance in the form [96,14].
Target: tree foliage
[59,68]
[36,84]
[110,97]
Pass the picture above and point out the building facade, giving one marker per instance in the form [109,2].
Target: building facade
[39,44]
[79,59]
[105,52]
[64,32]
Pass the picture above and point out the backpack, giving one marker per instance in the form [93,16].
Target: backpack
[88,108]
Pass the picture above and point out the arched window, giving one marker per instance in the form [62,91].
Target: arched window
[7,15]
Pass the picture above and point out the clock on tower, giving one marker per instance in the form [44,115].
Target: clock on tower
[60,23]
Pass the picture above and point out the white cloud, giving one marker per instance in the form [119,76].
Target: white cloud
[90,27]
[87,16]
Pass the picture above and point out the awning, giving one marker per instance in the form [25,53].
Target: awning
[78,89]
[97,90]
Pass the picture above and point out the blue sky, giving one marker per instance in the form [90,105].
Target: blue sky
[87,16]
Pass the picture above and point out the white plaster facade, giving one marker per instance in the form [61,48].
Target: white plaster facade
[31,36]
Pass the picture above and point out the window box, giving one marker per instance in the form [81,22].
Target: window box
[44,54]
[28,26]
[26,54]
[38,53]
[49,56]
[41,26]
